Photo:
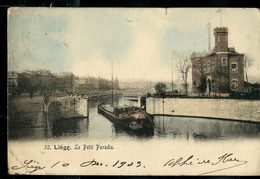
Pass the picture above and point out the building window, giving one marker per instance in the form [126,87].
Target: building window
[234,67]
[218,38]
[198,65]
[208,69]
[213,84]
[234,84]
[204,67]
[224,61]
[213,66]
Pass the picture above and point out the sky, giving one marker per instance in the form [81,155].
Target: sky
[142,43]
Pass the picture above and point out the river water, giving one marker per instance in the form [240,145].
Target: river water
[175,128]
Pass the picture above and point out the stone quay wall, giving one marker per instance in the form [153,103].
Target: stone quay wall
[234,109]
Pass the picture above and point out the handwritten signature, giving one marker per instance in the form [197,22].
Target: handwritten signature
[191,160]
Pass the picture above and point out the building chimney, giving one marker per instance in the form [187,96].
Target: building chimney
[209,39]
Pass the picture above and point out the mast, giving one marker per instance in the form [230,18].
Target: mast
[112,83]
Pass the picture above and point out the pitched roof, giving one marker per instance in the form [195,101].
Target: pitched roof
[203,54]
[231,51]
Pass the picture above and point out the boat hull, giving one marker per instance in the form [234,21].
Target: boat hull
[127,123]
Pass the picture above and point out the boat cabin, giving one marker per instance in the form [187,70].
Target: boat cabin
[123,111]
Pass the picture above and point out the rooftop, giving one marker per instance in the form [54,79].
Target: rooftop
[220,30]
[231,51]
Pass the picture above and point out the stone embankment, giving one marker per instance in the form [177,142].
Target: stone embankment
[233,109]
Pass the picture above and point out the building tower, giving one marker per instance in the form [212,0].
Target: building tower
[221,39]
[221,70]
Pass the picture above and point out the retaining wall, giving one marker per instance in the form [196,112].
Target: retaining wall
[237,109]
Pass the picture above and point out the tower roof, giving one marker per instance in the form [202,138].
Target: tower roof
[220,30]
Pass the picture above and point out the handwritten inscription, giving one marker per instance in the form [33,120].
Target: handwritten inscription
[117,164]
[224,161]
[191,161]
[32,166]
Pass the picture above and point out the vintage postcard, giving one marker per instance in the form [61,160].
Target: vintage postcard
[133,91]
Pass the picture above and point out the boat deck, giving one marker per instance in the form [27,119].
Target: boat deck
[108,107]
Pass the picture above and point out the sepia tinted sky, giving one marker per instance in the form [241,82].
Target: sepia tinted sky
[141,42]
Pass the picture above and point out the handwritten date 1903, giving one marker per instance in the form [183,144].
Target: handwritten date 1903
[120,164]
[32,166]
[117,164]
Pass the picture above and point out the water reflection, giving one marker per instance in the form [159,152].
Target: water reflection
[203,129]
[98,127]
[148,133]
[70,127]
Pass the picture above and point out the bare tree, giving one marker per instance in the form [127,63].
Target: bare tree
[200,77]
[248,61]
[183,67]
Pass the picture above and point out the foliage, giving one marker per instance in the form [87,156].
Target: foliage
[49,87]
[172,85]
[24,84]
[254,93]
[185,85]
[160,88]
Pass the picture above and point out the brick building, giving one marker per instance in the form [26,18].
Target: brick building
[69,81]
[220,70]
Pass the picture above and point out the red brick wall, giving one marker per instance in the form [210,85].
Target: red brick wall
[239,74]
[221,39]
[221,74]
